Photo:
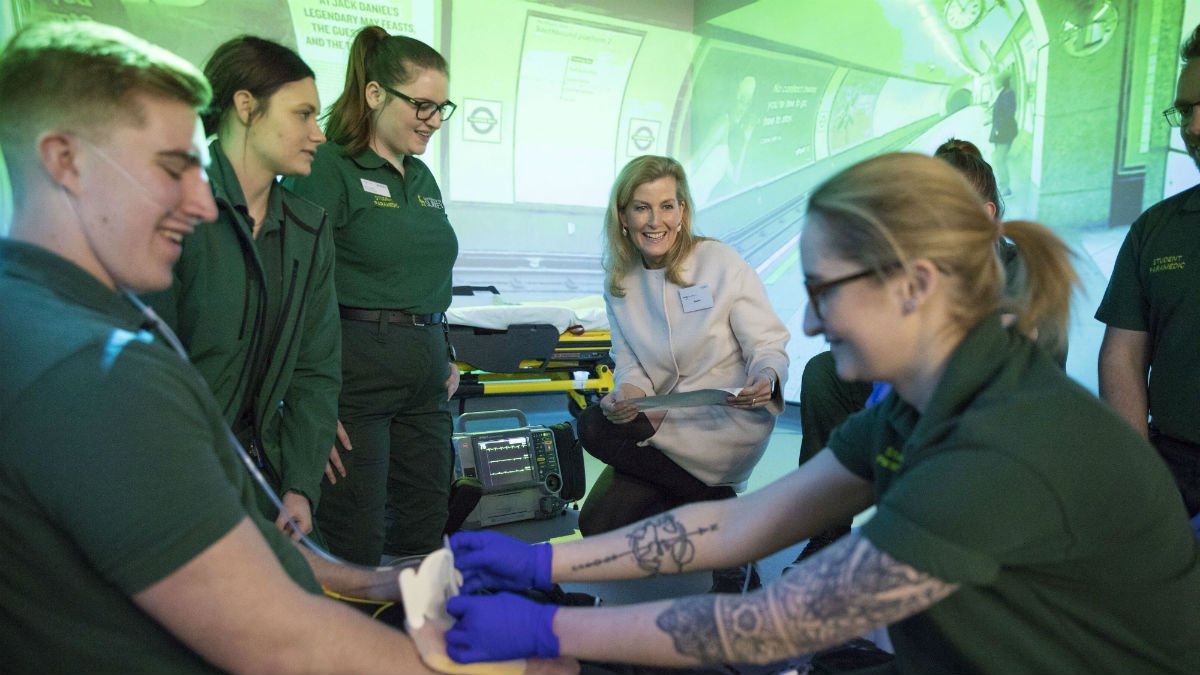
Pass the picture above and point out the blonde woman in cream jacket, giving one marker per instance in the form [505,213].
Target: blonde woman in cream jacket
[686,313]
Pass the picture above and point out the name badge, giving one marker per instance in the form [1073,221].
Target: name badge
[696,298]
[376,188]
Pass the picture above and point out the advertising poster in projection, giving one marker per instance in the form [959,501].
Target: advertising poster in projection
[320,30]
[569,94]
[325,29]
[190,28]
[753,115]
[850,120]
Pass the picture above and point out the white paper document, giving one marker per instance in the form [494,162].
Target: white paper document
[685,399]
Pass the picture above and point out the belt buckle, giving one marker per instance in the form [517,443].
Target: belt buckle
[418,320]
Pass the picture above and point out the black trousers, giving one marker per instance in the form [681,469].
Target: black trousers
[826,400]
[394,499]
[1183,459]
[639,481]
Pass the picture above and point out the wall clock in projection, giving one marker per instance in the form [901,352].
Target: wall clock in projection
[962,14]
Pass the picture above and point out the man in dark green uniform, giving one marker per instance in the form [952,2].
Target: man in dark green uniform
[132,541]
[1150,356]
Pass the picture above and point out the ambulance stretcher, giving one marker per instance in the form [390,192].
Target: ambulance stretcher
[530,347]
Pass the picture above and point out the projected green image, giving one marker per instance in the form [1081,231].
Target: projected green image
[760,100]
[753,116]
[853,110]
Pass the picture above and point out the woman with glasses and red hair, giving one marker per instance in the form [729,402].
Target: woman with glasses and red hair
[387,483]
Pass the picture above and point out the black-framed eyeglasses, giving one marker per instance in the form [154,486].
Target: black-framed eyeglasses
[425,109]
[817,291]
[1177,115]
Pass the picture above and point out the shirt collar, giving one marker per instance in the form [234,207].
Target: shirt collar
[973,366]
[369,159]
[228,189]
[49,270]
[1193,200]
[223,178]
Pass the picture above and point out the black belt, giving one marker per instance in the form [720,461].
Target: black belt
[392,316]
[1184,445]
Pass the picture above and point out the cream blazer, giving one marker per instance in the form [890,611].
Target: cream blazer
[661,349]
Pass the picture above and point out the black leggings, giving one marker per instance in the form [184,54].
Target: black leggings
[640,481]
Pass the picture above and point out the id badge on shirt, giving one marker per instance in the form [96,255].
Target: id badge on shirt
[376,188]
[696,298]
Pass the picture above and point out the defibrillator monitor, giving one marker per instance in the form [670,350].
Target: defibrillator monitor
[505,459]
[517,468]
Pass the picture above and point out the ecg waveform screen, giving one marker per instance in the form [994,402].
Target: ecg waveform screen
[506,460]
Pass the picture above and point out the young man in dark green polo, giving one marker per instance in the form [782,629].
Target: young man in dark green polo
[1150,356]
[132,541]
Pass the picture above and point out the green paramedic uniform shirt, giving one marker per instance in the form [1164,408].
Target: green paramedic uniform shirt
[1155,287]
[260,316]
[114,472]
[1060,523]
[395,246]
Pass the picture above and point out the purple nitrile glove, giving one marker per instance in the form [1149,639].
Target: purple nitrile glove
[500,627]
[489,560]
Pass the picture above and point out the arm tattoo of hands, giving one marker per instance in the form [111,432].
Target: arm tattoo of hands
[656,543]
[847,590]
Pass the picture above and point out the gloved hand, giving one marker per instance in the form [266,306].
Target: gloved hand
[500,627]
[489,560]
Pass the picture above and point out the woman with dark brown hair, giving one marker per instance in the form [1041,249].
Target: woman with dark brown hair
[252,298]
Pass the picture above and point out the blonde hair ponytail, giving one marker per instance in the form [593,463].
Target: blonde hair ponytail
[1049,277]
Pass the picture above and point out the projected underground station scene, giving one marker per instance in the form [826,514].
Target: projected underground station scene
[760,100]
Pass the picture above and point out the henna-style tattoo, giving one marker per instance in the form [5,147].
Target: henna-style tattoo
[655,543]
[847,590]
[692,624]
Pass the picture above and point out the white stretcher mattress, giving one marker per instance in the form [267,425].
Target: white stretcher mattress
[587,311]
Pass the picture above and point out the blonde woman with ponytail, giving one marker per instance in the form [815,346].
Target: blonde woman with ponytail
[1020,526]
[387,484]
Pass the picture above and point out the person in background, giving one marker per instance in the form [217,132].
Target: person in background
[133,541]
[992,549]
[1004,131]
[966,157]
[686,313]
[395,254]
[252,298]
[1149,360]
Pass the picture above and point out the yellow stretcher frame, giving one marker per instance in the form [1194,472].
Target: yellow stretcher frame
[573,353]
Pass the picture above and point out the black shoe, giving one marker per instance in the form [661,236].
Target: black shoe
[736,580]
[822,540]
[856,655]
[817,543]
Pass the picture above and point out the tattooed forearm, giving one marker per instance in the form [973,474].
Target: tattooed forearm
[849,589]
[663,541]
[692,625]
[657,543]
